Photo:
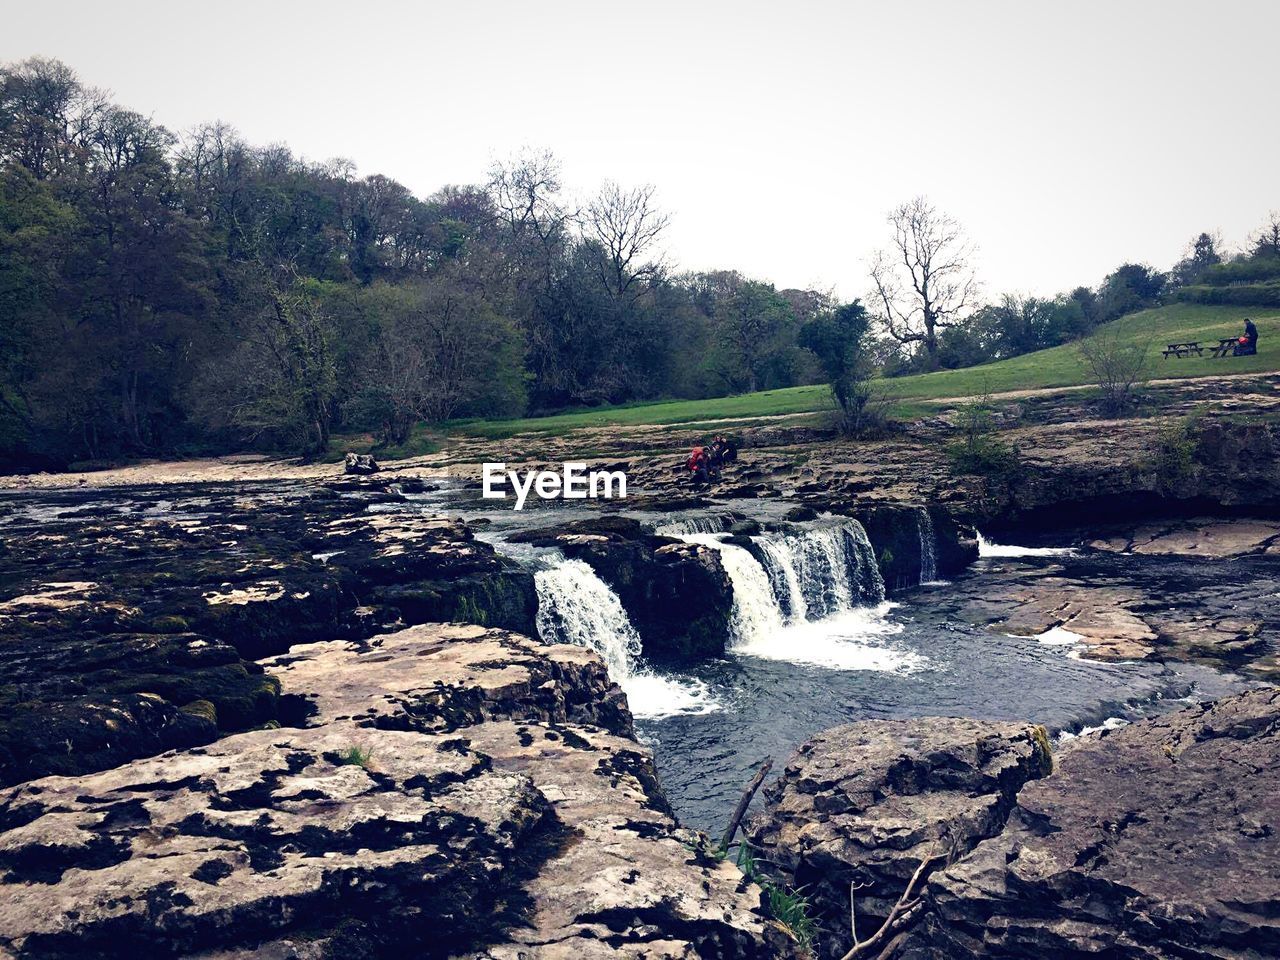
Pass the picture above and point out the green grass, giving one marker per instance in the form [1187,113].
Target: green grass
[1057,367]
[356,757]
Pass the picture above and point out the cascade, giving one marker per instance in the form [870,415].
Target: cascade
[702,523]
[756,613]
[576,606]
[792,578]
[928,547]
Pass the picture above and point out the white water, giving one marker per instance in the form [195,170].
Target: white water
[755,609]
[988,549]
[702,523]
[576,606]
[826,574]
[928,547]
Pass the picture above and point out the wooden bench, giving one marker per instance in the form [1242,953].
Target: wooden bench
[1226,347]
[1184,349]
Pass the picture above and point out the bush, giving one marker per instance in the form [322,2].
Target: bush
[1118,365]
[1240,295]
[981,452]
[1175,453]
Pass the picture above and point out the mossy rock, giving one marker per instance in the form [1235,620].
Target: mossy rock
[203,710]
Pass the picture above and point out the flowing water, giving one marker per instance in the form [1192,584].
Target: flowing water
[576,606]
[815,644]
[928,547]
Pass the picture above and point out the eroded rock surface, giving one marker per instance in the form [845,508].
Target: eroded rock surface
[866,803]
[444,676]
[459,791]
[1156,840]
[130,626]
[268,832]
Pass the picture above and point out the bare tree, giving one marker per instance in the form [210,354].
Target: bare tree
[627,225]
[1117,364]
[923,281]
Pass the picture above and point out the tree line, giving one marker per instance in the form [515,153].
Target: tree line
[188,293]
[180,293]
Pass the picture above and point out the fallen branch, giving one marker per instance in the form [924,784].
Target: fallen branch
[741,810]
[906,904]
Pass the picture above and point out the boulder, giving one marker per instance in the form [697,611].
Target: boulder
[1155,840]
[267,833]
[117,615]
[441,677]
[360,464]
[676,594]
[864,804]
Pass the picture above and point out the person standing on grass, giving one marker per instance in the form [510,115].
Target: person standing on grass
[1248,344]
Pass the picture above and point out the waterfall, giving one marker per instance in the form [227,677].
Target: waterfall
[756,613]
[576,606]
[814,596]
[702,523]
[797,577]
[776,556]
[928,547]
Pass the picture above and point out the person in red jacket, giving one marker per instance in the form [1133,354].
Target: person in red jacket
[699,465]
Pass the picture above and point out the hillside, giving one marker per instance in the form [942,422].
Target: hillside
[1060,366]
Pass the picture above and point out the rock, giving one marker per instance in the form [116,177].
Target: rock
[630,884]
[440,677]
[263,834]
[116,614]
[676,594]
[360,464]
[865,803]
[1199,537]
[1155,840]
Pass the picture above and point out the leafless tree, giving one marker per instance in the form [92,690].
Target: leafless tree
[526,192]
[627,224]
[924,280]
[1118,365]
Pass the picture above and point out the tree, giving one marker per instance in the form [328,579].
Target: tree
[839,341]
[923,282]
[1129,288]
[627,225]
[438,349]
[1266,242]
[1117,365]
[1202,253]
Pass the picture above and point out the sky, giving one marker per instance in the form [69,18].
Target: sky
[1066,138]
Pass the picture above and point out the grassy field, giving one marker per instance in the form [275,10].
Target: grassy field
[1057,367]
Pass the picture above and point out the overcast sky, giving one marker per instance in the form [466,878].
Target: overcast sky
[1066,137]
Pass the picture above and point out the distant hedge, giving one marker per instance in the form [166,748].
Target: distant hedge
[1256,269]
[1240,295]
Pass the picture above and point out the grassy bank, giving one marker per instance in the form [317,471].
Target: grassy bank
[1057,367]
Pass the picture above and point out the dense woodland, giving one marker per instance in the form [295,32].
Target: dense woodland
[165,293]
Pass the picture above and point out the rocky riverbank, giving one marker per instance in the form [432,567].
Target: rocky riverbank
[457,791]
[236,722]
[1154,840]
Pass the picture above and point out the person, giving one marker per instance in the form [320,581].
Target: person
[699,465]
[1250,336]
[723,450]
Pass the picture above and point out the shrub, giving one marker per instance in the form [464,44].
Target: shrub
[1117,365]
[1175,452]
[981,452]
[1242,295]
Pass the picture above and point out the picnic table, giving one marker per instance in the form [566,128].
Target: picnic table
[1184,349]
[1226,347]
